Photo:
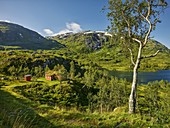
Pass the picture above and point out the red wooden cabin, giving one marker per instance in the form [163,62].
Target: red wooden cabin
[27,77]
[49,76]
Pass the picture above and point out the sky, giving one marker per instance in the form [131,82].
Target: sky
[50,17]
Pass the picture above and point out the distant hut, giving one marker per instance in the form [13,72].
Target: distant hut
[27,77]
[50,76]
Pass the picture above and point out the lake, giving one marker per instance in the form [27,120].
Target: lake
[144,77]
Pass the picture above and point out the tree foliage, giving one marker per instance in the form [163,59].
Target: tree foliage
[135,18]
[133,21]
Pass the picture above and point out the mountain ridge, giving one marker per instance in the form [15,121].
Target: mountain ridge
[16,35]
[96,38]
[98,47]
[109,53]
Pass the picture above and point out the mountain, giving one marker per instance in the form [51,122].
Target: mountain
[94,40]
[88,40]
[101,48]
[106,51]
[16,35]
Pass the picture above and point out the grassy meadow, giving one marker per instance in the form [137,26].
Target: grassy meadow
[18,109]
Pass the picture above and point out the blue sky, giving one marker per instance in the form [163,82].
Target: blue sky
[49,17]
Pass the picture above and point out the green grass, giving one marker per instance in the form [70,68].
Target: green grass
[48,82]
[18,111]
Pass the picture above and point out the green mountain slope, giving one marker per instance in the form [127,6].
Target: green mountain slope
[89,47]
[16,35]
[90,96]
[107,51]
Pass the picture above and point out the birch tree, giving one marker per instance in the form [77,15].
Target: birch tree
[133,21]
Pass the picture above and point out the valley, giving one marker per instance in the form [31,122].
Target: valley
[84,92]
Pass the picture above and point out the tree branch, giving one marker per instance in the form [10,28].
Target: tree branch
[142,15]
[153,55]
[149,22]
[131,54]
[137,40]
[150,25]
[129,30]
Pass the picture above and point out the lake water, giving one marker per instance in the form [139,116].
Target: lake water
[144,77]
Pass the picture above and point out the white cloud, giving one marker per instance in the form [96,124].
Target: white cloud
[71,27]
[74,27]
[48,32]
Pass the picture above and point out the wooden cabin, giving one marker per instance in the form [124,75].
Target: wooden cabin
[50,76]
[27,77]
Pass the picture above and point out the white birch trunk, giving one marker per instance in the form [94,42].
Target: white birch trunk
[132,97]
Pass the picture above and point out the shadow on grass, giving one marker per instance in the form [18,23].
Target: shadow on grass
[15,113]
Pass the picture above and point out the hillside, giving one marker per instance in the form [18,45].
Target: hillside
[86,41]
[16,35]
[101,48]
[83,94]
[107,51]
